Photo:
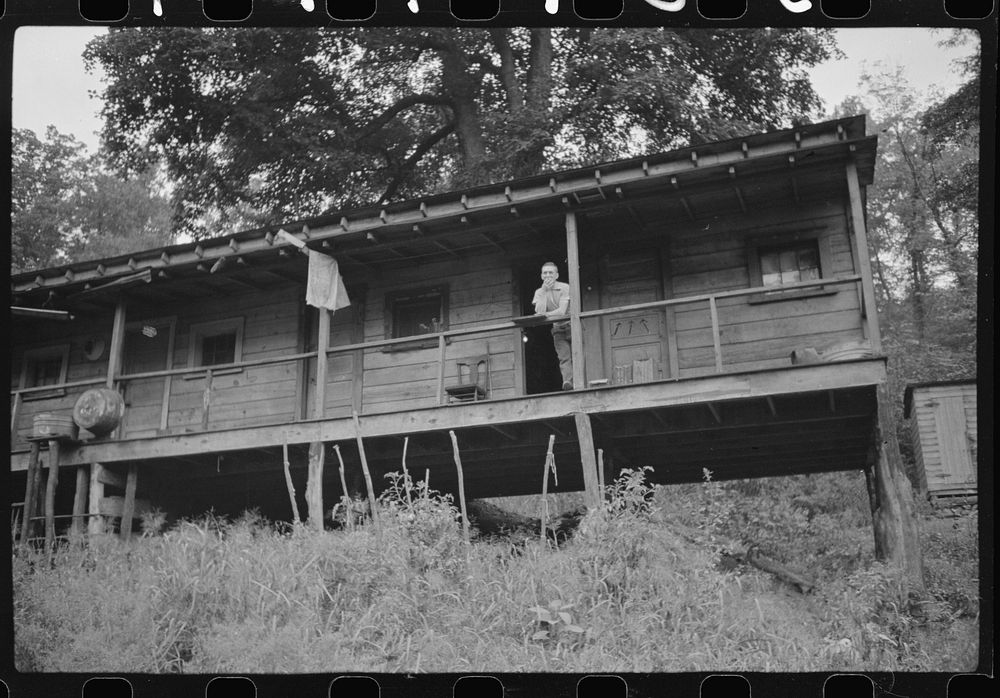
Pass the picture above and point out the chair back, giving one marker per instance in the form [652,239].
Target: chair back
[474,370]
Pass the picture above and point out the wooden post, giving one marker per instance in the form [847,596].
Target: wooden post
[168,380]
[30,492]
[440,380]
[897,539]
[461,485]
[364,468]
[406,473]
[575,298]
[346,498]
[50,494]
[317,451]
[585,435]
[861,257]
[128,508]
[600,471]
[15,414]
[79,501]
[322,362]
[549,459]
[95,525]
[206,399]
[288,483]
[716,340]
[115,352]
[314,484]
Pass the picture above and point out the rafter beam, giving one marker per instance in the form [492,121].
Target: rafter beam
[714,409]
[552,427]
[508,432]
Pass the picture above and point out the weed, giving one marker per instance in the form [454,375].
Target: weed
[630,591]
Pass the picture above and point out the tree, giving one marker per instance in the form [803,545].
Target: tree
[923,222]
[331,119]
[43,174]
[66,206]
[111,216]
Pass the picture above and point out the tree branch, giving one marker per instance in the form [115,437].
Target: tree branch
[540,70]
[407,165]
[947,235]
[507,72]
[402,105]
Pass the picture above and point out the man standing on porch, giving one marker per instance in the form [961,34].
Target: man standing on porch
[552,300]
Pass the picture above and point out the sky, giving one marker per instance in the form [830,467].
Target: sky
[50,85]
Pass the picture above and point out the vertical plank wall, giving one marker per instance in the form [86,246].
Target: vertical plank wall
[935,458]
[249,396]
[479,293]
[714,258]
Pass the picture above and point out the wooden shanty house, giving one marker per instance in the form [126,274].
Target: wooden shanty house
[696,276]
[944,437]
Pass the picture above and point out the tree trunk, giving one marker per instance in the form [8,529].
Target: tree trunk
[897,538]
[461,86]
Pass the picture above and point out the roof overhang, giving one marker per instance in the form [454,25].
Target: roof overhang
[472,212]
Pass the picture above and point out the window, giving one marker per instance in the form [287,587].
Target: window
[775,261]
[218,349]
[789,264]
[415,312]
[45,366]
[216,343]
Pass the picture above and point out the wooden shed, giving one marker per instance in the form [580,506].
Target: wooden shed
[942,421]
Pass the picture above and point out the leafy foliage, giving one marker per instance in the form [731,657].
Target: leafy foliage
[278,123]
[67,208]
[44,172]
[923,225]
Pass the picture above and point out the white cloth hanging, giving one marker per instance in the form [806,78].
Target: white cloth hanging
[325,287]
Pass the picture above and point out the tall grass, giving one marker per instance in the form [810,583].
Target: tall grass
[626,593]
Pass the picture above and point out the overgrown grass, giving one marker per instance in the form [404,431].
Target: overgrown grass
[638,588]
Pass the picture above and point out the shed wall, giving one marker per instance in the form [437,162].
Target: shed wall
[938,475]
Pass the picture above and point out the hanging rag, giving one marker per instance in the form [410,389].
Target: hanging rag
[325,287]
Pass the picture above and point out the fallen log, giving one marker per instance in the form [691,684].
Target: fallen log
[752,557]
[491,520]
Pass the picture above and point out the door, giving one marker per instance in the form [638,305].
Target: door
[949,417]
[147,348]
[634,341]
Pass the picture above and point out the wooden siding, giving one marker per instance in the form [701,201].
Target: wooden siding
[253,395]
[758,334]
[405,379]
[937,448]
[79,368]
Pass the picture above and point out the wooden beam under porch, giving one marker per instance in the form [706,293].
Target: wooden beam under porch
[758,384]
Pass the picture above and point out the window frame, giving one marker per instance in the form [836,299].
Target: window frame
[419,341]
[52,351]
[768,242]
[197,333]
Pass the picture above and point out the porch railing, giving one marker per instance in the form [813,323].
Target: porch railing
[442,338]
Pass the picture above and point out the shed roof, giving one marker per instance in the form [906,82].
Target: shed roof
[908,393]
[449,223]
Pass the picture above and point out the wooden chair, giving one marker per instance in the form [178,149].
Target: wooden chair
[473,380]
